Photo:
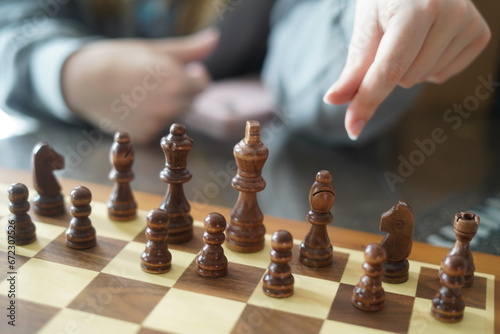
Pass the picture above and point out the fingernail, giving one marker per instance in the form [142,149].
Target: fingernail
[328,92]
[355,129]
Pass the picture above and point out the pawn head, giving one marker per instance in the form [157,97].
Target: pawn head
[18,193]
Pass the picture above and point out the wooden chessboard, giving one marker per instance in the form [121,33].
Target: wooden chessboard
[103,289]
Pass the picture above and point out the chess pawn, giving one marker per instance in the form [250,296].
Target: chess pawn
[398,223]
[245,231]
[278,280]
[316,250]
[447,305]
[212,262]
[22,231]
[368,294]
[176,147]
[121,204]
[48,200]
[80,233]
[156,258]
[465,226]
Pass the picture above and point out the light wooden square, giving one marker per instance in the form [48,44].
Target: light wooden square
[49,283]
[106,227]
[312,297]
[474,321]
[128,264]
[73,321]
[45,233]
[260,259]
[187,312]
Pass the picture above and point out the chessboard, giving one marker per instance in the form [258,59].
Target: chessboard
[103,289]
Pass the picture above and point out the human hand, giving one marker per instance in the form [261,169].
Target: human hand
[136,85]
[399,42]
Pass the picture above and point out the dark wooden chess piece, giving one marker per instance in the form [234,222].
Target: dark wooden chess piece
[212,262]
[121,204]
[48,201]
[398,224]
[316,250]
[22,230]
[447,305]
[245,231]
[368,294]
[80,233]
[465,226]
[278,280]
[156,258]
[176,147]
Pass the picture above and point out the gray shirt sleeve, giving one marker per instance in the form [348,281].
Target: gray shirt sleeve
[306,54]
[36,37]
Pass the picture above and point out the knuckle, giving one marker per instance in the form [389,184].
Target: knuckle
[391,72]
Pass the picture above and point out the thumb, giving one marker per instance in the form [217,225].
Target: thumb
[362,50]
[191,48]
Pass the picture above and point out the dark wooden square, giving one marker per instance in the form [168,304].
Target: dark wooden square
[255,319]
[192,246]
[428,285]
[118,297]
[394,317]
[332,272]
[30,316]
[95,258]
[238,284]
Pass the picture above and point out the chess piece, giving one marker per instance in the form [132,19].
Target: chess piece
[22,231]
[368,294]
[121,204]
[156,258]
[176,147]
[245,231]
[316,250]
[465,226]
[80,233]
[212,262]
[278,280]
[398,224]
[48,201]
[447,305]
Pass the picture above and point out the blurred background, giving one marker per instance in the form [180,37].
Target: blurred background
[460,172]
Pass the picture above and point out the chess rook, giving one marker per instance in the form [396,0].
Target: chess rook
[448,305]
[121,204]
[212,262]
[176,147]
[23,231]
[278,281]
[316,250]
[398,223]
[465,226]
[48,200]
[80,233]
[368,294]
[245,231]
[156,258]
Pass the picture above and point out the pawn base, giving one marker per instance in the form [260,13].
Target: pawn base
[368,308]
[156,268]
[450,317]
[81,245]
[395,272]
[49,206]
[278,292]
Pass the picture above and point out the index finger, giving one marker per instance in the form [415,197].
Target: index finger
[398,48]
